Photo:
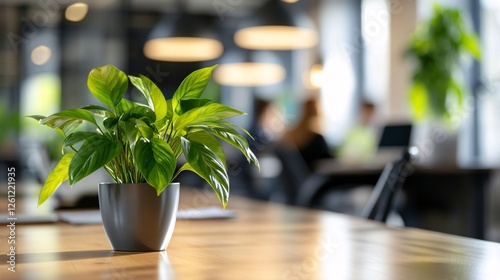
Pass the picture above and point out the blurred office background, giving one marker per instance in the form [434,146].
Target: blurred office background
[348,52]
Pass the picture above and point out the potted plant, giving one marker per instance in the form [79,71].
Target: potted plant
[437,47]
[140,145]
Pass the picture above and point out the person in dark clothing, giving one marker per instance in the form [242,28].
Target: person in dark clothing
[262,136]
[306,136]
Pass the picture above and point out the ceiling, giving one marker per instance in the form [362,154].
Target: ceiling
[213,7]
[198,6]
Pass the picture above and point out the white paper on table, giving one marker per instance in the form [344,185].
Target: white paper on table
[80,217]
[28,218]
[94,216]
[205,213]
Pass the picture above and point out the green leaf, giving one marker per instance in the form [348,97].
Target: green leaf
[107,84]
[61,125]
[170,111]
[189,104]
[232,137]
[61,118]
[153,94]
[129,126]
[209,141]
[418,98]
[68,127]
[56,177]
[66,121]
[125,105]
[471,44]
[94,153]
[98,111]
[38,118]
[208,166]
[130,133]
[110,123]
[458,91]
[185,167]
[162,124]
[77,137]
[165,123]
[209,113]
[156,162]
[192,87]
[144,129]
[175,144]
[140,112]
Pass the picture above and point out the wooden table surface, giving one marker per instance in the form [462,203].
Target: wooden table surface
[265,241]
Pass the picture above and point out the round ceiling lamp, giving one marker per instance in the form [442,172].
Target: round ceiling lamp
[276,37]
[41,54]
[76,12]
[273,27]
[313,79]
[245,74]
[184,38]
[182,49]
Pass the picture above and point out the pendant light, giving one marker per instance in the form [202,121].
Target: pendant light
[246,74]
[241,68]
[183,38]
[274,27]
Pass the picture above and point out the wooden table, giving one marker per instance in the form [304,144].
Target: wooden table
[265,241]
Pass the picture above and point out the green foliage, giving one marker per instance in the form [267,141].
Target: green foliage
[9,122]
[137,143]
[437,47]
[57,176]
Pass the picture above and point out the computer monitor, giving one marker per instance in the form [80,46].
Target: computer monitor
[395,135]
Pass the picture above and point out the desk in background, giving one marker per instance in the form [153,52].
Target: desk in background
[266,241]
[462,189]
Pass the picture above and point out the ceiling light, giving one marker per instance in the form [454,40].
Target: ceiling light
[40,55]
[276,37]
[183,49]
[76,12]
[249,74]
[315,77]
[183,38]
[273,27]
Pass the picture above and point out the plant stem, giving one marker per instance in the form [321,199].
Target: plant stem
[169,129]
[100,130]
[111,172]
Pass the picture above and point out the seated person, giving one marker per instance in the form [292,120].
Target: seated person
[306,136]
[360,143]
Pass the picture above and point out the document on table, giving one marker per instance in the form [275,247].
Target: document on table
[94,216]
[22,218]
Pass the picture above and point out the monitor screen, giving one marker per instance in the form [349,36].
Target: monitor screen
[395,135]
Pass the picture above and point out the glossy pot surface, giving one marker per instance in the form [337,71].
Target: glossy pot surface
[135,219]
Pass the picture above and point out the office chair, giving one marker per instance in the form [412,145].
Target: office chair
[380,201]
[295,172]
[390,182]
